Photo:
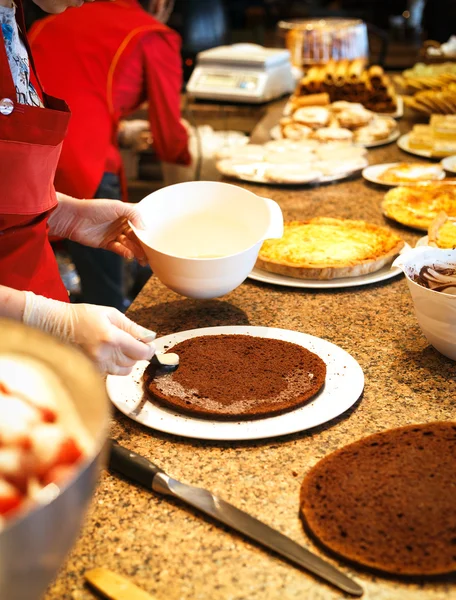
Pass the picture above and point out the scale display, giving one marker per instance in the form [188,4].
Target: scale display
[226,81]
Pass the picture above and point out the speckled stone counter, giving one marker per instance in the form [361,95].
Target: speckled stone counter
[174,553]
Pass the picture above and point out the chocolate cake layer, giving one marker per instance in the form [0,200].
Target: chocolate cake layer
[388,501]
[237,377]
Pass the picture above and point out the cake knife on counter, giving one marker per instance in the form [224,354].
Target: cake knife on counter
[142,471]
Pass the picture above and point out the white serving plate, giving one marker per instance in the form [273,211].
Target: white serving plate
[386,272]
[373,173]
[449,164]
[403,143]
[343,387]
[396,115]
[276,134]
[259,177]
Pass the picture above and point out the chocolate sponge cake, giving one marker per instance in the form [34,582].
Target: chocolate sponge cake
[237,377]
[388,501]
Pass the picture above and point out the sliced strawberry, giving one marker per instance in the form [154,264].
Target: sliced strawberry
[69,453]
[10,498]
[58,474]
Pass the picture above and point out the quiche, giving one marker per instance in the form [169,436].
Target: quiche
[327,248]
[442,232]
[417,206]
[409,173]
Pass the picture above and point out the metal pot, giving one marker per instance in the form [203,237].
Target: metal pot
[34,545]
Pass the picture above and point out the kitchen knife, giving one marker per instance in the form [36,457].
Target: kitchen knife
[142,471]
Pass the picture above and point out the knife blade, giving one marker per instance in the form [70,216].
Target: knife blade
[143,471]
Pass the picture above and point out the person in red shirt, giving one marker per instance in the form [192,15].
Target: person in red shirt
[105,60]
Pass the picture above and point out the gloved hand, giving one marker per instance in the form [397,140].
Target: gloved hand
[109,338]
[98,224]
[135,134]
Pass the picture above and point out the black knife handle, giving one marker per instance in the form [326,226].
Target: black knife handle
[132,465]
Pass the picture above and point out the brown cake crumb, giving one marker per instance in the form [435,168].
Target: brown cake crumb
[238,377]
[388,501]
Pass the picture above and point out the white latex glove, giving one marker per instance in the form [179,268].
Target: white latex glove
[135,134]
[109,338]
[98,224]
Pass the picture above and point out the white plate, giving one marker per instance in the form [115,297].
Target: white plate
[385,272]
[403,143]
[260,178]
[449,164]
[396,115]
[423,241]
[373,172]
[343,386]
[276,134]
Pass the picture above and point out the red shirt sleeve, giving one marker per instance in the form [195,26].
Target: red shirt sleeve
[152,71]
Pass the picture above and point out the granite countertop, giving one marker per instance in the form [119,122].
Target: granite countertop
[173,552]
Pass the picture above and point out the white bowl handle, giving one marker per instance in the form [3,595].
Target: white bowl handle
[275,228]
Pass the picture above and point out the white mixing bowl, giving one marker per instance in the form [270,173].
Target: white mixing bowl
[34,545]
[202,238]
[435,311]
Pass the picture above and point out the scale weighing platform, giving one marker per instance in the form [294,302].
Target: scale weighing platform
[242,73]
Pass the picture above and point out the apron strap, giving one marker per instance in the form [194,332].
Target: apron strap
[7,86]
[20,18]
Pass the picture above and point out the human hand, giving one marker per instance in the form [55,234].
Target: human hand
[99,224]
[135,134]
[107,336]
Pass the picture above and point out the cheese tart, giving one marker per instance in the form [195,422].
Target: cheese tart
[442,232]
[417,206]
[410,172]
[328,248]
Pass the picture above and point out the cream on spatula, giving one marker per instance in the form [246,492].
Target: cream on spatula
[168,361]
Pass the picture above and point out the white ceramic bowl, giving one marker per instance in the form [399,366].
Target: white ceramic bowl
[435,311]
[34,545]
[202,238]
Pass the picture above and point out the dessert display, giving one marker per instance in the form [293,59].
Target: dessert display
[437,278]
[426,77]
[336,121]
[442,232]
[350,81]
[410,172]
[438,139]
[36,449]
[237,377]
[417,206]
[291,161]
[435,52]
[327,248]
[430,88]
[387,501]
[316,41]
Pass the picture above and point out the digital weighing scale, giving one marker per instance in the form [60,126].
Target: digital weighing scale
[242,73]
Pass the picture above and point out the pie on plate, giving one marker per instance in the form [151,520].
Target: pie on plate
[417,206]
[328,248]
[410,172]
[442,232]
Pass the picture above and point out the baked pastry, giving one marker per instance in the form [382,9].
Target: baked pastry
[340,166]
[417,206]
[250,152]
[442,232]
[387,501]
[327,248]
[237,377]
[312,116]
[351,118]
[332,134]
[294,131]
[292,173]
[410,172]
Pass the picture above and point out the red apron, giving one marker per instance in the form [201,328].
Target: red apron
[30,142]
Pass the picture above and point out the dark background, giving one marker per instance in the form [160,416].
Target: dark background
[394,42]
